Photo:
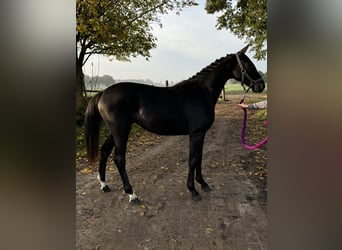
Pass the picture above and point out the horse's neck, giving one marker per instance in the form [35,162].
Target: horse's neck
[217,83]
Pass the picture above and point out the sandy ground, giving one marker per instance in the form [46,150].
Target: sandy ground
[231,216]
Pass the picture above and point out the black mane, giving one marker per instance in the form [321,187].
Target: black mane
[201,75]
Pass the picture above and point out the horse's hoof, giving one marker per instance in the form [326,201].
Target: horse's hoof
[135,202]
[105,189]
[206,189]
[196,198]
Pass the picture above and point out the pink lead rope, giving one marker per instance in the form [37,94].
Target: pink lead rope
[258,145]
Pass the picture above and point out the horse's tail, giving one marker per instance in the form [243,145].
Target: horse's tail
[92,128]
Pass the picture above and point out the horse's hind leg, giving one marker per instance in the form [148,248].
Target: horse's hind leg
[106,149]
[120,161]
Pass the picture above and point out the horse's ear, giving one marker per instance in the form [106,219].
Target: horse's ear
[243,51]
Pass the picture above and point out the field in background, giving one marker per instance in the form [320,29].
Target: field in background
[236,89]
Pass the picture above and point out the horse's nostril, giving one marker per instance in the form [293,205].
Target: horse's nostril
[258,88]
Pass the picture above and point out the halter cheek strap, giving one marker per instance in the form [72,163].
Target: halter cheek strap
[244,74]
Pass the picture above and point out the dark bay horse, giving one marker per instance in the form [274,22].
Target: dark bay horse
[187,108]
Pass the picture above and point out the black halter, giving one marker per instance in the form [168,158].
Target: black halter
[245,73]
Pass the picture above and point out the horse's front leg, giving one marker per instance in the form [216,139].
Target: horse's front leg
[199,178]
[196,141]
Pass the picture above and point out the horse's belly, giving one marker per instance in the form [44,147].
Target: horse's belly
[162,124]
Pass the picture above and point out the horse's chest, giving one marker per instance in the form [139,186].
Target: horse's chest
[201,118]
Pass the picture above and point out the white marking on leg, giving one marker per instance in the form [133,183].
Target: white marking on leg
[132,197]
[102,183]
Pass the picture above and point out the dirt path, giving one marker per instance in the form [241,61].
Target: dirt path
[231,216]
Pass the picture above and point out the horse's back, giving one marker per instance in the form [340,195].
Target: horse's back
[129,95]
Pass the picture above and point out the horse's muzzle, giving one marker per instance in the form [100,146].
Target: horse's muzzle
[258,87]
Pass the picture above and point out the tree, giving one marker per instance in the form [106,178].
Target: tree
[245,18]
[117,28]
[98,82]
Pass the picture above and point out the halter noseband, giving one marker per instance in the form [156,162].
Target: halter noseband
[244,73]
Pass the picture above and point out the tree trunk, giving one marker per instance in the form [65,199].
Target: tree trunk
[80,88]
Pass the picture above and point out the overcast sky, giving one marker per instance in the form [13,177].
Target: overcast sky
[186,44]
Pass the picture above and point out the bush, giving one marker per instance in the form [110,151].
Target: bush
[261,115]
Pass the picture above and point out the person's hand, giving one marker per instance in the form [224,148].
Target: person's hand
[242,105]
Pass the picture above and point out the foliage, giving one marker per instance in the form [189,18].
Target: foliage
[80,115]
[245,18]
[120,28]
[98,82]
[261,115]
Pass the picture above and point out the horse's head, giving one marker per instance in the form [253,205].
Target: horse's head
[246,72]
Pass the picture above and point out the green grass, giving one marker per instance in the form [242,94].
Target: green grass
[238,89]
[233,89]
[261,115]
